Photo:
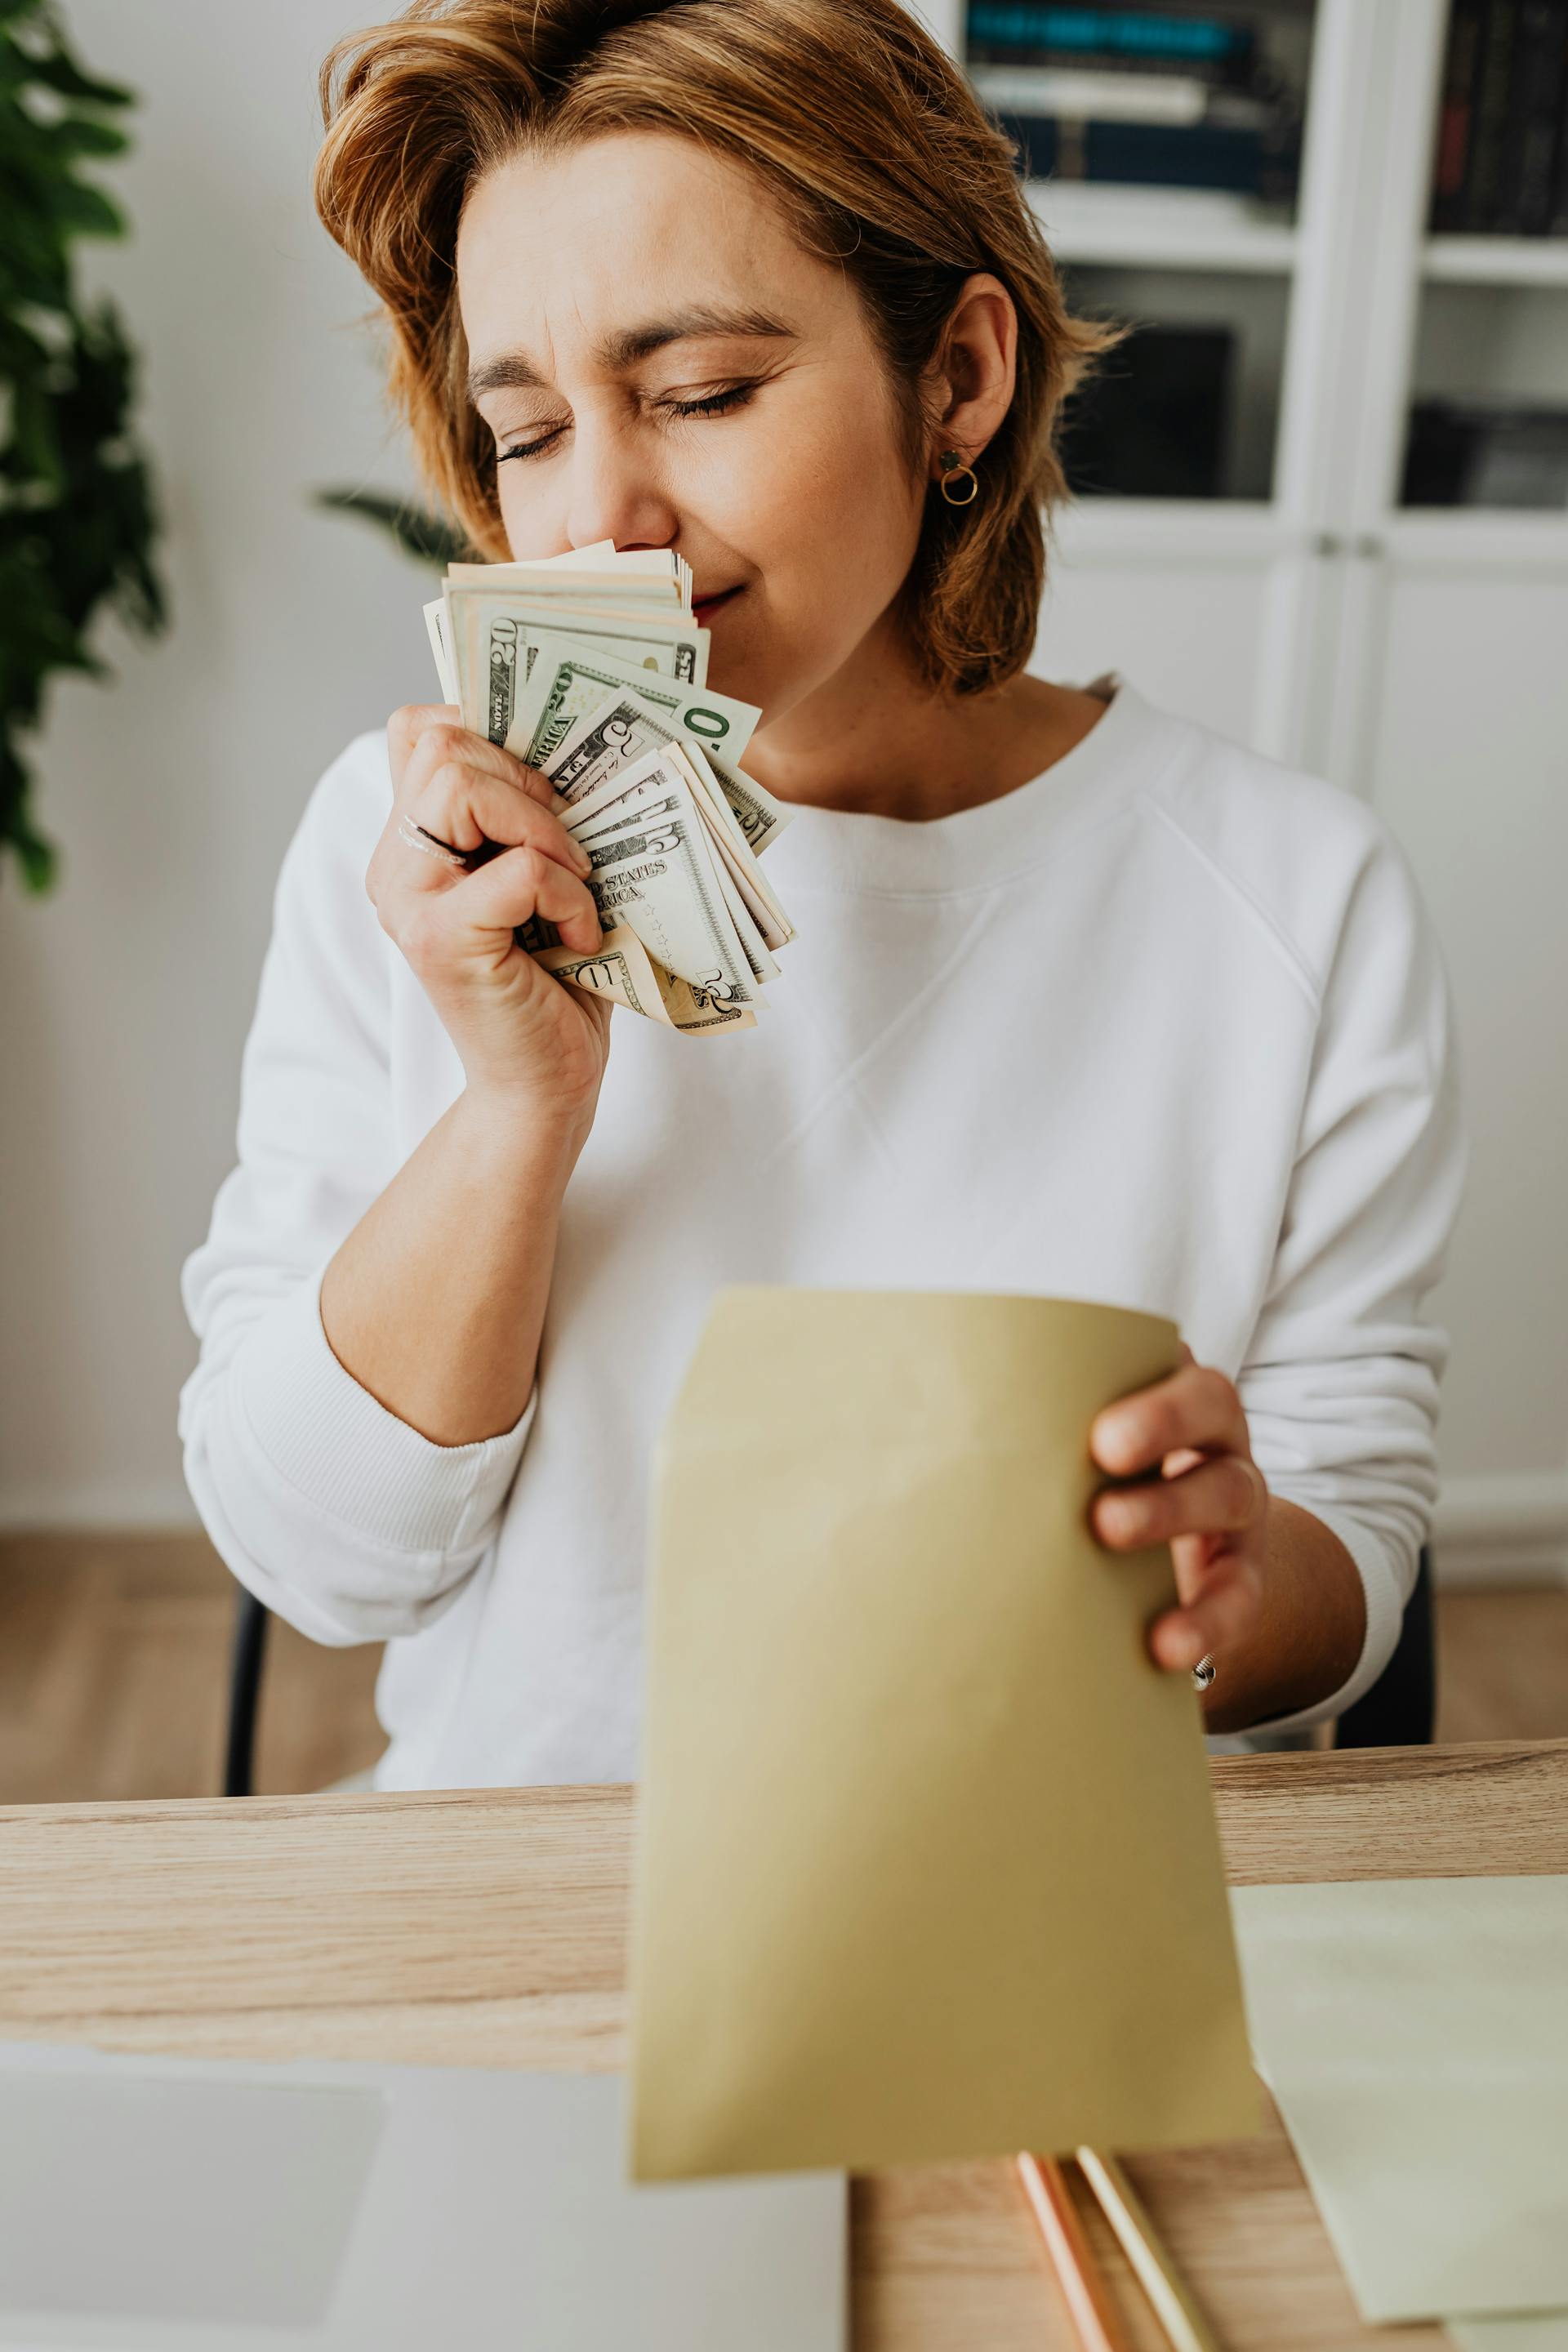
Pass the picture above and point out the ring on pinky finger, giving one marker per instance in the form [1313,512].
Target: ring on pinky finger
[414,837]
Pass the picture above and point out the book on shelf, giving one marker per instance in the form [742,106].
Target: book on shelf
[1151,98]
[1254,163]
[1068,94]
[1500,166]
[1537,95]
[1150,40]
[1456,108]
[1488,127]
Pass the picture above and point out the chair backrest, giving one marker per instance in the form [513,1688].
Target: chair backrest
[245,1660]
[1400,1709]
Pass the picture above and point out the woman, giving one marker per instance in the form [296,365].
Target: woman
[1085,1000]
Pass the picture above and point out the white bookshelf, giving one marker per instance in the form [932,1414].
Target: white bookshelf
[1415,656]
[1497,260]
[1167,228]
[1354,269]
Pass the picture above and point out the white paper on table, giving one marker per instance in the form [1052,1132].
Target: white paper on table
[1525,2331]
[1415,2033]
[316,2205]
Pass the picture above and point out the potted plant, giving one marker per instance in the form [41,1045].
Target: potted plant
[77,514]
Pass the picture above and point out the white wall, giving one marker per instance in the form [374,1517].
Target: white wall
[127,994]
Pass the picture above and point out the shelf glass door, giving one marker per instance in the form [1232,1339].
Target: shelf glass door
[1188,406]
[1488,425]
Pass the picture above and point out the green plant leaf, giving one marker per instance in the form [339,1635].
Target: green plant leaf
[55,68]
[77,134]
[427,537]
[86,210]
[78,512]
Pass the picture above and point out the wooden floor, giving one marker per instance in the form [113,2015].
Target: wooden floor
[114,1677]
[114,1669]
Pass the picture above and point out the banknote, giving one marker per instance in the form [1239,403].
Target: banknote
[760,921]
[653,872]
[652,878]
[644,580]
[731,844]
[657,877]
[760,817]
[579,678]
[572,676]
[613,733]
[497,642]
[618,730]
[642,575]
[649,801]
[624,970]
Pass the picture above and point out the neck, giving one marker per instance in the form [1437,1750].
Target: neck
[875,742]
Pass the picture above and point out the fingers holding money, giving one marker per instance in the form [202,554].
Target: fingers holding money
[463,920]
[591,670]
[518,886]
[462,793]
[405,728]
[423,737]
[456,792]
[471,809]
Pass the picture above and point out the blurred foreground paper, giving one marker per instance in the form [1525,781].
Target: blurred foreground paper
[1414,2032]
[1525,2331]
[926,1862]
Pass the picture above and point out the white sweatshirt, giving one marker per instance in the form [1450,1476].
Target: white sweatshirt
[1166,1027]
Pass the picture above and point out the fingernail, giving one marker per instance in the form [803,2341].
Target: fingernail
[581,859]
[1117,1433]
[1118,1520]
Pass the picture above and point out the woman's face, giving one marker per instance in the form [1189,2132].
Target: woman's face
[661,365]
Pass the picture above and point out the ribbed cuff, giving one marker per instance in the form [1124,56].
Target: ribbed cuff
[346,1456]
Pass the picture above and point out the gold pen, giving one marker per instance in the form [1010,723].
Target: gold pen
[1185,2326]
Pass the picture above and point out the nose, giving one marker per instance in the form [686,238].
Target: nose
[613,491]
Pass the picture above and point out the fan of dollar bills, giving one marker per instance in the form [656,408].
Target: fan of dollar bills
[591,667]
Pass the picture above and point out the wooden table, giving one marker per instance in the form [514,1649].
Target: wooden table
[487,1927]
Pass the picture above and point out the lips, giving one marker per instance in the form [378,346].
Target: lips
[704,607]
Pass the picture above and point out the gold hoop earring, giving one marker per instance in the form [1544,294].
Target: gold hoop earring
[954,472]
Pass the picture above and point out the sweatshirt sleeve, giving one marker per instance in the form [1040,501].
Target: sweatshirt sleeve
[340,1516]
[1340,1383]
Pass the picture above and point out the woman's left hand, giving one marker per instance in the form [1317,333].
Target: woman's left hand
[1204,1495]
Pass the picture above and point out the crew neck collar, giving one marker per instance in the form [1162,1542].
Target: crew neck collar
[830,849]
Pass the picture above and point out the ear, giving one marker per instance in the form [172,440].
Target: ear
[974,371]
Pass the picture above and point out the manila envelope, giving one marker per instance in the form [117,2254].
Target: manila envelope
[927,1865]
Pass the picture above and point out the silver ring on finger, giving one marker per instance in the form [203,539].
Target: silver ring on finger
[429,845]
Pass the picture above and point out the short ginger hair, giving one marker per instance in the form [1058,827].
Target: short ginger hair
[865,131]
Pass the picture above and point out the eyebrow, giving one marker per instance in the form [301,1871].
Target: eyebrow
[514,371]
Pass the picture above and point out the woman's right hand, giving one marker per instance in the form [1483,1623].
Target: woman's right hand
[522,1036]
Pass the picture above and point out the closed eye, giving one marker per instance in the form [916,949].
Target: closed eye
[710,403]
[530,448]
